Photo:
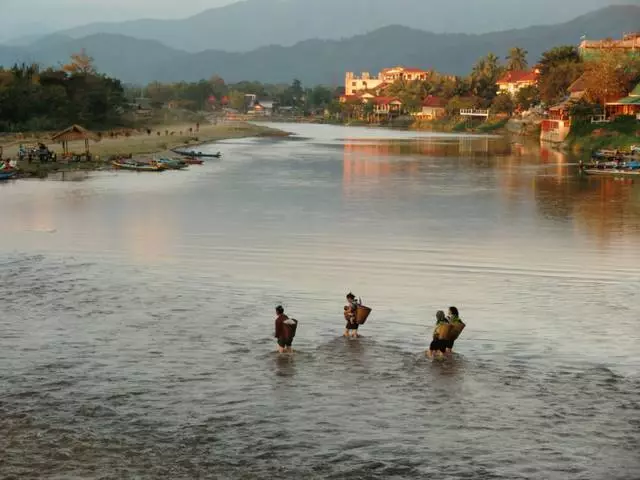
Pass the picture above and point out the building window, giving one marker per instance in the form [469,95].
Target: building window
[353,84]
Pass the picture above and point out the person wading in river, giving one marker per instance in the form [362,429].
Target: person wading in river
[457,325]
[285,330]
[440,332]
[351,329]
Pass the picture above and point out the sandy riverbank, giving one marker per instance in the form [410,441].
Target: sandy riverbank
[141,143]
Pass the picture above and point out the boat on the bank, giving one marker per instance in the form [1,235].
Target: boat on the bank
[151,166]
[193,161]
[194,154]
[7,174]
[172,164]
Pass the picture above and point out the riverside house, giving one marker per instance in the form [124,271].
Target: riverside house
[629,105]
[514,81]
[432,108]
[556,127]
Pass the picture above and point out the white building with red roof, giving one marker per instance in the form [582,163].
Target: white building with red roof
[514,81]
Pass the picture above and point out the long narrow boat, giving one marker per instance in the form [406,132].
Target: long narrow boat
[138,166]
[193,153]
[173,164]
[193,161]
[7,174]
[612,172]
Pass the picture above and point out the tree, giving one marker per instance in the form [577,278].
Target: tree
[559,68]
[527,97]
[608,77]
[484,76]
[517,59]
[503,103]
[81,63]
[236,100]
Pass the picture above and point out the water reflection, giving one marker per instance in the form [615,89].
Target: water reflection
[521,173]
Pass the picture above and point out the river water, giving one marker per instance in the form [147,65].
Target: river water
[137,315]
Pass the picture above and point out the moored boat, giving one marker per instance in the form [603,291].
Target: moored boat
[613,172]
[7,174]
[193,161]
[138,166]
[172,164]
[195,154]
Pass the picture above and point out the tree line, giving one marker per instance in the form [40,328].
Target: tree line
[32,98]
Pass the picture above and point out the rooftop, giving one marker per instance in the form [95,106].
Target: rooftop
[518,76]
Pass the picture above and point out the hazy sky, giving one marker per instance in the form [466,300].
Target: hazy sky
[15,15]
[27,17]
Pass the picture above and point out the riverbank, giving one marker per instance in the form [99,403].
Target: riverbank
[159,142]
[619,134]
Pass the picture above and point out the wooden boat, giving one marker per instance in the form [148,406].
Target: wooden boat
[172,163]
[193,161]
[195,154]
[613,172]
[7,174]
[138,166]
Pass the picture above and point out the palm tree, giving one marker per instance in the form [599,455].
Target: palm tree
[517,59]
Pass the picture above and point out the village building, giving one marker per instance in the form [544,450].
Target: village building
[432,108]
[629,105]
[556,127]
[514,81]
[367,82]
[387,106]
[629,44]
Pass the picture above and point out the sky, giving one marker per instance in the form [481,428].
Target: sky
[21,17]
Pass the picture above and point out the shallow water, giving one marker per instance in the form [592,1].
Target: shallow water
[138,311]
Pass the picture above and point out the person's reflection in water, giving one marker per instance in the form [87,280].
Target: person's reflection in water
[285,366]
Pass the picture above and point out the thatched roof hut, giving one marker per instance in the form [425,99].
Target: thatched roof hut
[72,134]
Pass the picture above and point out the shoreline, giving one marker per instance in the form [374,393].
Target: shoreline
[159,142]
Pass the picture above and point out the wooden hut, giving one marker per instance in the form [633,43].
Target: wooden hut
[72,134]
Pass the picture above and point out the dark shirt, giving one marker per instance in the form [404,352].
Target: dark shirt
[281,330]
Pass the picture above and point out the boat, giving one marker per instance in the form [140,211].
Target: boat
[193,161]
[613,172]
[195,154]
[172,164]
[7,174]
[138,166]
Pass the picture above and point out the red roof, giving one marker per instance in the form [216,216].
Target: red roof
[415,70]
[385,100]
[518,76]
[346,98]
[434,102]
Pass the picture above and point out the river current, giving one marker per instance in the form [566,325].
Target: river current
[137,315]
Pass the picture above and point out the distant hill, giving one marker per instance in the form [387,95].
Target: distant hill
[321,61]
[250,24]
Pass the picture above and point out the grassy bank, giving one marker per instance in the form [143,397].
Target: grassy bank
[138,144]
[461,125]
[619,134]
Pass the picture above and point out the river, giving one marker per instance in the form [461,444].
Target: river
[137,315]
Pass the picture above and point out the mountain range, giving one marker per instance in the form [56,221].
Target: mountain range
[319,61]
[250,24]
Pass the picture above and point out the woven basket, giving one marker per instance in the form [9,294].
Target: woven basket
[362,313]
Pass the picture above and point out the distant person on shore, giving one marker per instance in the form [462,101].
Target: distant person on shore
[351,329]
[457,325]
[285,330]
[439,342]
